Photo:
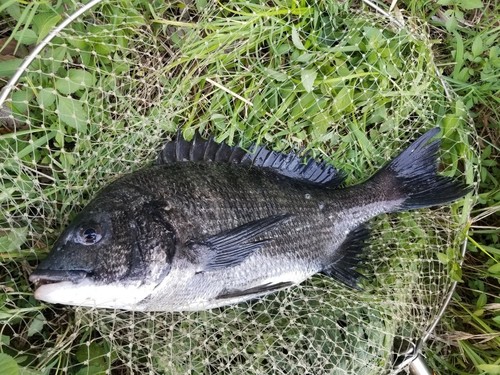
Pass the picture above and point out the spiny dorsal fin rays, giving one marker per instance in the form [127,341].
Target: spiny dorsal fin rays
[290,165]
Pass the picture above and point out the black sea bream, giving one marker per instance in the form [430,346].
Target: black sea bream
[211,225]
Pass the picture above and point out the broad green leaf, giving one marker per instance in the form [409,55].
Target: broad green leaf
[305,57]
[495,269]
[9,67]
[471,4]
[46,97]
[460,108]
[443,258]
[201,4]
[96,355]
[307,76]
[296,39]
[66,86]
[481,301]
[13,239]
[321,122]
[188,133]
[80,43]
[43,23]
[36,325]
[494,52]
[75,80]
[4,339]
[21,99]
[463,75]
[456,272]
[451,23]
[274,74]
[72,113]
[82,76]
[489,369]
[8,365]
[343,100]
[103,49]
[29,371]
[478,312]
[450,123]
[283,48]
[486,152]
[14,10]
[375,35]
[477,46]
[54,58]
[26,36]
[67,160]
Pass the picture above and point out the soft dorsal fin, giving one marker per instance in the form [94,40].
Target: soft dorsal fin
[290,165]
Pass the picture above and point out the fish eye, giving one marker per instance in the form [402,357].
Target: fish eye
[89,235]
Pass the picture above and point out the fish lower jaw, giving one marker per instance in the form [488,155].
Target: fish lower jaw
[89,294]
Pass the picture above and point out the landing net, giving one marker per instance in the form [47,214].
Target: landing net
[340,80]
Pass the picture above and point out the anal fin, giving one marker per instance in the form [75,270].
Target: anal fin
[347,258]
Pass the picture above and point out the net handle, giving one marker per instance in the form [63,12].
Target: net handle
[29,59]
[419,367]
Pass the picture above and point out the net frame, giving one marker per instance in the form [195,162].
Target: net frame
[414,349]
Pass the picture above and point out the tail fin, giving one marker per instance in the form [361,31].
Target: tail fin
[412,175]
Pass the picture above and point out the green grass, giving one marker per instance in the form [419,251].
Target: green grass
[348,89]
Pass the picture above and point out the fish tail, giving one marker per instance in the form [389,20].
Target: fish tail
[413,177]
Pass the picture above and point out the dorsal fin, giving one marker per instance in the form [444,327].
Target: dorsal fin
[290,165]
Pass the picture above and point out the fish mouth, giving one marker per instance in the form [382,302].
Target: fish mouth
[47,276]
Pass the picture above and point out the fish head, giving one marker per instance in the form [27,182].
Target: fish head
[113,254]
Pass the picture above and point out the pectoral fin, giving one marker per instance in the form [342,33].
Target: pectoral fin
[230,248]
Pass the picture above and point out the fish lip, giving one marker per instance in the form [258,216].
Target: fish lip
[47,276]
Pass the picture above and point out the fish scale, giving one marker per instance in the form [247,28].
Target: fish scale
[211,225]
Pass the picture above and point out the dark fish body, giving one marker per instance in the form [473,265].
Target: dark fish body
[211,227]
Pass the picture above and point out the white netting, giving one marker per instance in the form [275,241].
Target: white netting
[337,79]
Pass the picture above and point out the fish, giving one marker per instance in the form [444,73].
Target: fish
[209,225]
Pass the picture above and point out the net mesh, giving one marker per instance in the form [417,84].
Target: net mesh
[335,79]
